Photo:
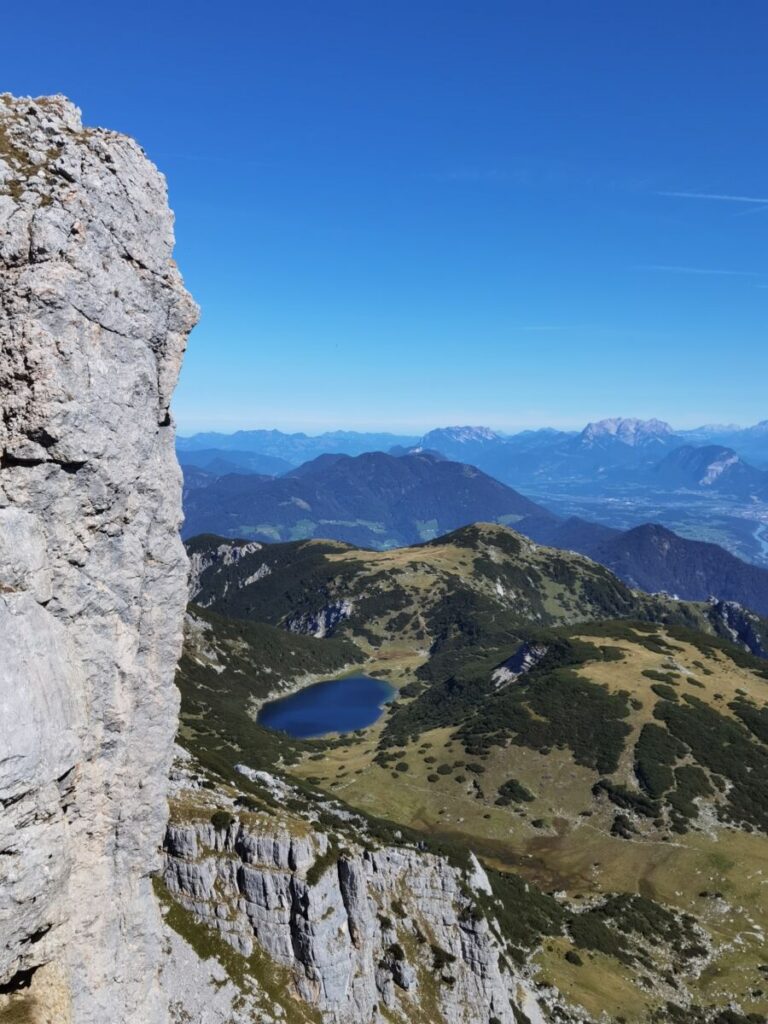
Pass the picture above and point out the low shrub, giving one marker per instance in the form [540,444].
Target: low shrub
[221,820]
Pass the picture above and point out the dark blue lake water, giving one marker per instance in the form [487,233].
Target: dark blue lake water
[337,705]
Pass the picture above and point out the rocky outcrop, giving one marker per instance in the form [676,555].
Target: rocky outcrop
[93,323]
[526,657]
[223,555]
[739,624]
[324,622]
[357,930]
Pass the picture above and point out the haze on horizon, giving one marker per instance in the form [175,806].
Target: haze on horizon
[410,215]
[415,427]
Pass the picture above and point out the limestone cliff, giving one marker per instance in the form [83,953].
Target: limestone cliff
[323,926]
[93,323]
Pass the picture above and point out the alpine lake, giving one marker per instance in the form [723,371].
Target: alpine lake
[332,706]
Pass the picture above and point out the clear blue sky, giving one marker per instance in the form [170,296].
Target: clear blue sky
[407,214]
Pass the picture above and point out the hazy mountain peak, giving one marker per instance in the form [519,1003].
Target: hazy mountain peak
[712,466]
[461,435]
[716,428]
[629,431]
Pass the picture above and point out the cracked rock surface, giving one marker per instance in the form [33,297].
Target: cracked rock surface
[336,936]
[93,323]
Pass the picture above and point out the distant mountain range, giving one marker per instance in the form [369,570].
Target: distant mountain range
[612,452]
[620,472]
[222,460]
[373,500]
[615,440]
[631,432]
[382,501]
[750,442]
[293,449]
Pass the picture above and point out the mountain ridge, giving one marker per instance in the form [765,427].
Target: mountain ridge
[300,446]
[500,567]
[374,499]
[382,501]
[628,430]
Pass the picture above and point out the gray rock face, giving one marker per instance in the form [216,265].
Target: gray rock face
[323,622]
[364,928]
[93,323]
[225,555]
[740,625]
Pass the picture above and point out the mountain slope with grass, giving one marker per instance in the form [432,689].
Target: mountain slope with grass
[371,500]
[601,752]
[483,579]
[479,581]
[623,776]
